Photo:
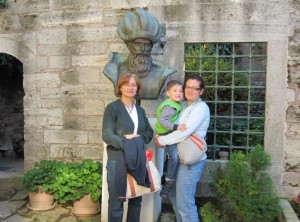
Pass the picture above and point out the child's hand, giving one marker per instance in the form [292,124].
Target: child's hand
[130,136]
[181,127]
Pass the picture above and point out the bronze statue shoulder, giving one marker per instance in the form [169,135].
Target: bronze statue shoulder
[111,69]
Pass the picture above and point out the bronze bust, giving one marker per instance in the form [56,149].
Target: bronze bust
[139,30]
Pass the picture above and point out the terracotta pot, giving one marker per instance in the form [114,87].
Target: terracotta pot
[40,200]
[86,207]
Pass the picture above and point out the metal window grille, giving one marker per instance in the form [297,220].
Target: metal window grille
[235,82]
[2,3]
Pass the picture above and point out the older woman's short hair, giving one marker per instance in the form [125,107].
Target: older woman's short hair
[124,78]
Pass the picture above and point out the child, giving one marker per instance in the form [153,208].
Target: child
[167,114]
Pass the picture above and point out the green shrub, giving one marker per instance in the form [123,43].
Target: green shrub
[209,213]
[244,190]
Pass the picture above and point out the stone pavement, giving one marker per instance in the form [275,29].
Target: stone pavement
[13,200]
[14,210]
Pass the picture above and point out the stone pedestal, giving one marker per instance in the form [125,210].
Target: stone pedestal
[151,204]
[223,155]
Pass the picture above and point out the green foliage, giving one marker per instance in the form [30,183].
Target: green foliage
[74,180]
[244,189]
[214,70]
[259,160]
[209,213]
[66,181]
[227,92]
[43,174]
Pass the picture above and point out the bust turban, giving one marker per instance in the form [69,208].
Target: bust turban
[139,24]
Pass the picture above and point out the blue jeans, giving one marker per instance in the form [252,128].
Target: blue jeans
[173,161]
[182,194]
[115,204]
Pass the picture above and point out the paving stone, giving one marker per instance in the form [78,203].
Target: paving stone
[68,219]
[13,206]
[18,204]
[6,194]
[23,210]
[17,218]
[8,213]
[6,209]
[96,218]
[166,217]
[20,195]
[54,214]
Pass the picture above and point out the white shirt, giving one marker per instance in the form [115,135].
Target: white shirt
[134,116]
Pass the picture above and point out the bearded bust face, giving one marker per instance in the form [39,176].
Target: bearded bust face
[139,59]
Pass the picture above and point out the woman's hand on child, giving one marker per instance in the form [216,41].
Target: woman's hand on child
[181,127]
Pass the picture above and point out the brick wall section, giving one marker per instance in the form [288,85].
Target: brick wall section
[64,45]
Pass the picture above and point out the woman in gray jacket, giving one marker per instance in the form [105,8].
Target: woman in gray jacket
[123,119]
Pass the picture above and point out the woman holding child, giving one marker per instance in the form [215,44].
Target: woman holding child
[196,116]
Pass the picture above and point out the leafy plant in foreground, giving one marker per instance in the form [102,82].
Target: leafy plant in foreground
[74,180]
[42,174]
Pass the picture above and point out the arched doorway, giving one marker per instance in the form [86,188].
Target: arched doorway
[11,107]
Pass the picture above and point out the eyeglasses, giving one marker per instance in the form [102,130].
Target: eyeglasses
[192,88]
[130,85]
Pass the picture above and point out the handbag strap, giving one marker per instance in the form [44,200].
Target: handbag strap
[131,185]
[197,141]
[152,189]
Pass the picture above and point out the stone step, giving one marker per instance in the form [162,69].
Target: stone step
[11,171]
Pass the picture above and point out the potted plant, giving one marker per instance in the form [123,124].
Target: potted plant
[79,181]
[244,190]
[37,182]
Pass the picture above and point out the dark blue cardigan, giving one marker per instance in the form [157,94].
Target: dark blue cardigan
[133,161]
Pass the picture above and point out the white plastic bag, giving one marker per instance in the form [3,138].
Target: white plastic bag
[135,190]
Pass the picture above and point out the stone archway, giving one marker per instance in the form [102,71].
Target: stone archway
[11,107]
[18,47]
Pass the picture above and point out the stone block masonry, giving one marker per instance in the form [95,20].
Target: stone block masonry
[64,44]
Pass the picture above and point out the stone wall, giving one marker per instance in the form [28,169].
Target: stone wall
[64,45]
[291,176]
